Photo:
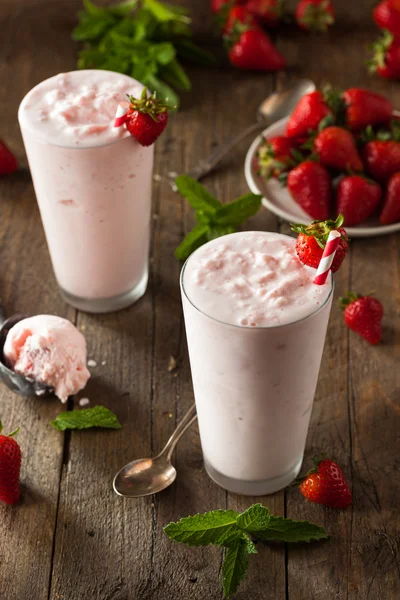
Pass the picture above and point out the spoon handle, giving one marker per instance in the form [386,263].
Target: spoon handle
[206,165]
[187,420]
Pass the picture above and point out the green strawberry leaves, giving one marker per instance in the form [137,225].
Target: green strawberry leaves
[230,530]
[214,219]
[144,39]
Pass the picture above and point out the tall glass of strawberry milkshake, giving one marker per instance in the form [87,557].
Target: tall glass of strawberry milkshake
[93,185]
[256,326]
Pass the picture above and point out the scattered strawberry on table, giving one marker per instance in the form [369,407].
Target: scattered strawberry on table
[10,464]
[315,15]
[147,118]
[363,314]
[8,162]
[325,484]
[340,154]
[243,23]
[385,59]
[249,47]
[311,241]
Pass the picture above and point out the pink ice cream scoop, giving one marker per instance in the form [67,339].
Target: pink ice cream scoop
[48,350]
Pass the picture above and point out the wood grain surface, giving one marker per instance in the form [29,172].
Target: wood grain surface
[71,537]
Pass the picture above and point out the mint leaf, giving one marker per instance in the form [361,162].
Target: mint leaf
[215,232]
[196,238]
[217,527]
[174,74]
[197,195]
[235,565]
[160,11]
[123,9]
[255,518]
[239,210]
[288,530]
[98,416]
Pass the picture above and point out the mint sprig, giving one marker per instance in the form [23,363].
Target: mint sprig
[232,531]
[98,416]
[142,38]
[214,219]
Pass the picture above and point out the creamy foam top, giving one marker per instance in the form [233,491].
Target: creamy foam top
[252,279]
[77,108]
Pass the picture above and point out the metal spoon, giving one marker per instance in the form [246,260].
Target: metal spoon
[17,383]
[148,476]
[274,107]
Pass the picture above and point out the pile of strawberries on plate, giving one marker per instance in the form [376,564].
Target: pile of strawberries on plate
[340,155]
[386,51]
[243,24]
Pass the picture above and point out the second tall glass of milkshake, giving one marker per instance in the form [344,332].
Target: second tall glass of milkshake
[93,186]
[256,326]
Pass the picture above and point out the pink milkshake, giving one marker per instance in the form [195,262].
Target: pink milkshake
[93,186]
[256,326]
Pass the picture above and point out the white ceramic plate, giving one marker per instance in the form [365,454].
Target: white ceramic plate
[278,200]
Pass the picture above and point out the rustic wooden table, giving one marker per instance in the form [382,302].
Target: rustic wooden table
[72,537]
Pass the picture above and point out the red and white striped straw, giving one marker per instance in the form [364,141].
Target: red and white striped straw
[327,257]
[120,115]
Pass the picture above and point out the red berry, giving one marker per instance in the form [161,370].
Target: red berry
[310,185]
[10,464]
[239,15]
[386,57]
[315,15]
[8,162]
[311,241]
[336,148]
[254,50]
[147,118]
[269,12]
[381,158]
[391,206]
[326,485]
[307,115]
[365,108]
[386,17]
[357,199]
[363,314]
[274,156]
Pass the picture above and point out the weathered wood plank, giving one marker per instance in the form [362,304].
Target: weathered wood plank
[27,285]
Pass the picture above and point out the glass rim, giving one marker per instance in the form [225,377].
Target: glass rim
[38,137]
[249,327]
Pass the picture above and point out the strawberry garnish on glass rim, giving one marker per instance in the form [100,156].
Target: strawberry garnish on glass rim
[147,117]
[312,239]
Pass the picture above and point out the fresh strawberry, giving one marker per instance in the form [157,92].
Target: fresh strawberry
[252,49]
[10,464]
[382,158]
[365,108]
[268,12]
[311,242]
[310,185]
[391,206]
[325,484]
[386,17]
[147,118]
[363,314]
[274,156]
[336,148]
[239,15]
[357,199]
[315,15]
[307,114]
[386,57]
[8,162]
[395,4]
